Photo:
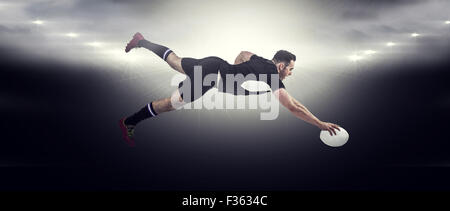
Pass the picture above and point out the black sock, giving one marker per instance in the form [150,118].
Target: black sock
[142,114]
[161,51]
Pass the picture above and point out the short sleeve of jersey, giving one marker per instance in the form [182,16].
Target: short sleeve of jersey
[274,86]
[280,85]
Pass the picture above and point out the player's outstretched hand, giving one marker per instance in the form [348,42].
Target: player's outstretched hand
[330,127]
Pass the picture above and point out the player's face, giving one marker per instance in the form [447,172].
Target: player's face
[286,70]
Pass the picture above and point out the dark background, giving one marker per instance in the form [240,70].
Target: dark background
[60,132]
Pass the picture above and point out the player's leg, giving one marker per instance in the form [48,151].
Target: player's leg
[162,51]
[175,62]
[150,110]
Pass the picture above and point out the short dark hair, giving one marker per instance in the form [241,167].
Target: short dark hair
[283,56]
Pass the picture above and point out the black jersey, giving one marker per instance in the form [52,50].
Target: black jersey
[263,70]
[257,68]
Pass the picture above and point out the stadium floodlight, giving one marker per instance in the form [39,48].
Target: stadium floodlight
[390,44]
[415,35]
[355,58]
[38,22]
[369,52]
[447,22]
[71,35]
[94,44]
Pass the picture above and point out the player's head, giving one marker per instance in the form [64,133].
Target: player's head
[285,61]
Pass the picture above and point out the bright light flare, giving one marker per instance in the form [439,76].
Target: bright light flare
[94,44]
[390,44]
[415,35]
[38,22]
[447,22]
[369,52]
[72,35]
[117,54]
[355,58]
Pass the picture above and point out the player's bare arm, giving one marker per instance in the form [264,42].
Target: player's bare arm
[301,112]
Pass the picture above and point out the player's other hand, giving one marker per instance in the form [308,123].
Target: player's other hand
[330,127]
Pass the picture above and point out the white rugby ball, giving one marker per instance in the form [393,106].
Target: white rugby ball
[337,140]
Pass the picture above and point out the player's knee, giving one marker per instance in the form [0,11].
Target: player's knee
[172,58]
[176,101]
[168,103]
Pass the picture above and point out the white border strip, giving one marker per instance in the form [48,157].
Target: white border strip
[164,56]
[149,109]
